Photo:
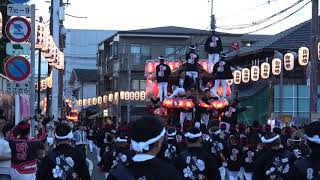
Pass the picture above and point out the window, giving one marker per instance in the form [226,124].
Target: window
[139,53]
[295,100]
[138,84]
[170,53]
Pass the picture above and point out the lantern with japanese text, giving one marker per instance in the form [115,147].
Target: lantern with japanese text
[94,101]
[110,97]
[265,70]
[255,73]
[122,95]
[85,102]
[79,103]
[303,57]
[116,96]
[89,101]
[276,66]
[245,75]
[237,77]
[142,95]
[126,95]
[105,99]
[131,96]
[288,61]
[99,100]
[41,35]
[136,95]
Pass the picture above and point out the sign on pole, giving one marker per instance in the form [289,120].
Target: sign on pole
[18,29]
[17,68]
[17,87]
[18,10]
[18,49]
[19,1]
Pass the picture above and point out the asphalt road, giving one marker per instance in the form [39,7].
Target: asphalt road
[96,174]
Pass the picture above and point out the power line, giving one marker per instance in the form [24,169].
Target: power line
[280,19]
[247,9]
[243,26]
[79,17]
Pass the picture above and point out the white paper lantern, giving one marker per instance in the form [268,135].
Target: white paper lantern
[265,70]
[116,96]
[245,75]
[303,57]
[143,95]
[319,51]
[84,102]
[127,95]
[89,101]
[122,95]
[131,96]
[105,99]
[136,95]
[99,100]
[79,102]
[255,73]
[288,61]
[237,77]
[94,101]
[276,66]
[110,97]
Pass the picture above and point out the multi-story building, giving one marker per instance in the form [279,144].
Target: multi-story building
[81,52]
[122,56]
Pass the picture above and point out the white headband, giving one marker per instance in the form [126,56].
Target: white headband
[192,136]
[121,140]
[140,146]
[266,141]
[68,136]
[217,132]
[314,139]
[172,134]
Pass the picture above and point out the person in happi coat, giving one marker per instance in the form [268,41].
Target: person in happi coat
[195,162]
[64,162]
[308,167]
[147,135]
[275,162]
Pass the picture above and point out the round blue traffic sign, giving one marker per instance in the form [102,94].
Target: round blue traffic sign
[17,68]
[18,29]
[19,1]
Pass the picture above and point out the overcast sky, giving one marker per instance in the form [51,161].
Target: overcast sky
[136,14]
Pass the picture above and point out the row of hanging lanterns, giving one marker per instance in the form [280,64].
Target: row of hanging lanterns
[116,96]
[255,72]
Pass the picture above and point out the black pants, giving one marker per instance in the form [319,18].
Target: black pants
[82,149]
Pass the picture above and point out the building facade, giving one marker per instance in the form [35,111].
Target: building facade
[81,52]
[121,59]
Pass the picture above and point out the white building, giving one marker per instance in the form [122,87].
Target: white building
[81,53]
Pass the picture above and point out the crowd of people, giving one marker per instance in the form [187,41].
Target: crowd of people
[151,148]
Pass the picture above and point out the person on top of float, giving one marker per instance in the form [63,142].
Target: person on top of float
[222,72]
[180,85]
[163,72]
[191,65]
[213,46]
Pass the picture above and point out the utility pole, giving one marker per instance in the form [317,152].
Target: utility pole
[213,19]
[55,74]
[314,61]
[129,88]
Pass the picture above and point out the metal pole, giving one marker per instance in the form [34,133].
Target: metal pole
[39,81]
[314,61]
[55,73]
[32,58]
[129,89]
[281,90]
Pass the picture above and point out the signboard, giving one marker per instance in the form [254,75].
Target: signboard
[18,10]
[18,49]
[19,1]
[17,87]
[285,118]
[17,68]
[18,29]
